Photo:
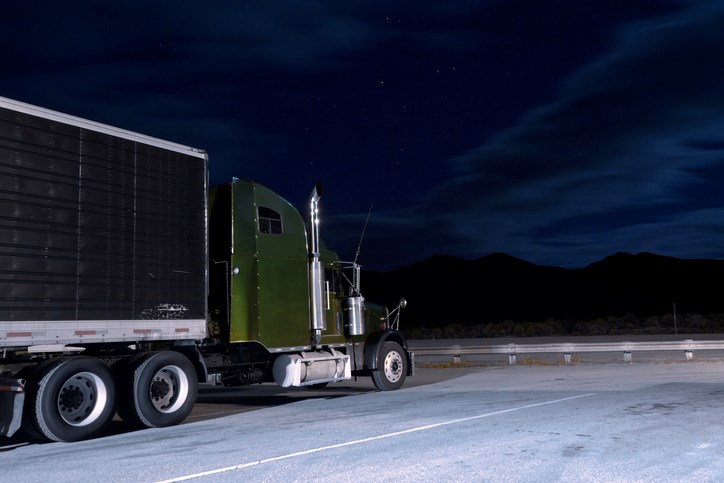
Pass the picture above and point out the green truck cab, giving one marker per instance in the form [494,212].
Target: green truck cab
[283,307]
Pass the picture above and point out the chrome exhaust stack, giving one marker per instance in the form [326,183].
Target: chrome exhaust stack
[317,320]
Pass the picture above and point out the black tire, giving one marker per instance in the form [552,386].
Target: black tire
[123,370]
[158,389]
[391,367]
[71,399]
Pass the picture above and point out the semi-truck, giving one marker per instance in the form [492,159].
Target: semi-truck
[126,281]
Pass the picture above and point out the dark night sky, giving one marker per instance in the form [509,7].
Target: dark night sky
[559,132]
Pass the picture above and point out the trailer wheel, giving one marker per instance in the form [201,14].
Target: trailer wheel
[391,367]
[71,399]
[158,389]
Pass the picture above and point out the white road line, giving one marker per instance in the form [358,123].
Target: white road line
[365,440]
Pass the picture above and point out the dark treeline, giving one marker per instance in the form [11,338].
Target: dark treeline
[499,295]
[628,324]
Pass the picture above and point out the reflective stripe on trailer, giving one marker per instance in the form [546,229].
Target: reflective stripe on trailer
[32,333]
[12,388]
[19,334]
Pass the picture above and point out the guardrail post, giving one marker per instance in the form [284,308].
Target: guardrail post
[512,359]
[689,352]
[627,356]
[456,355]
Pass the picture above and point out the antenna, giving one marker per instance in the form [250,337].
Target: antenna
[359,247]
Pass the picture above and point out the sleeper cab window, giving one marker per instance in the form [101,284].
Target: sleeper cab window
[269,220]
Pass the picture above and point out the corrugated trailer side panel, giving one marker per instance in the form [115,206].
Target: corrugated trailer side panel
[102,236]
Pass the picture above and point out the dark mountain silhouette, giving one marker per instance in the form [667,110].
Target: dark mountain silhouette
[445,290]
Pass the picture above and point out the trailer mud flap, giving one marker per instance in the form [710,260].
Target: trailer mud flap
[12,397]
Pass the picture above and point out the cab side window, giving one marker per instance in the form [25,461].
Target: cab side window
[269,220]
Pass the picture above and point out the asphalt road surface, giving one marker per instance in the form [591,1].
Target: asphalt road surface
[653,421]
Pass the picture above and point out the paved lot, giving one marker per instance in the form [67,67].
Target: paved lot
[605,422]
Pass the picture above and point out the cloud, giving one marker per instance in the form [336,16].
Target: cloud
[623,156]
[633,129]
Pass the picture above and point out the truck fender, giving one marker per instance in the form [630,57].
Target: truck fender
[374,343]
[12,398]
[193,355]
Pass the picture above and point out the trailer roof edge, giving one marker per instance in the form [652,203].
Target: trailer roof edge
[99,127]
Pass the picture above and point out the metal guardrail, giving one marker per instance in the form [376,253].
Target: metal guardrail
[513,350]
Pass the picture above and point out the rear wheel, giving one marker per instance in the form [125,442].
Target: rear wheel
[71,399]
[391,367]
[158,389]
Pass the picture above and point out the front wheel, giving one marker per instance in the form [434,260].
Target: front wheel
[391,367]
[158,389]
[72,399]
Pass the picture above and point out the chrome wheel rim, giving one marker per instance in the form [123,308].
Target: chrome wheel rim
[82,398]
[169,389]
[393,366]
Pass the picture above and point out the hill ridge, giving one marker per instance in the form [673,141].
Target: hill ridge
[443,289]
